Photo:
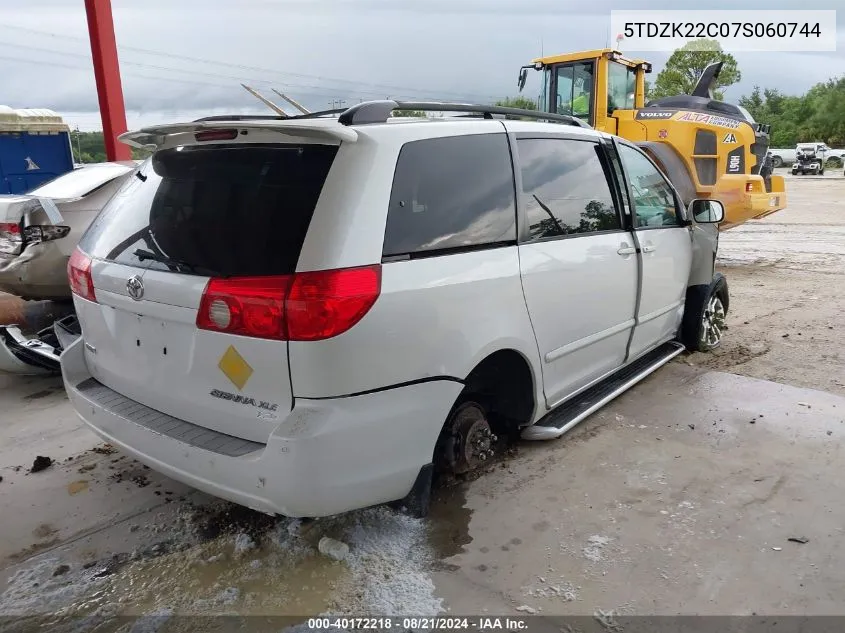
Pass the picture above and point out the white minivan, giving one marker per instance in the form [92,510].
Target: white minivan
[313,314]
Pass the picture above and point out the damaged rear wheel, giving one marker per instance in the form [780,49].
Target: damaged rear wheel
[466,441]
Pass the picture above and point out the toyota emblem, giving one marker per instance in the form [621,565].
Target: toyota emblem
[135,287]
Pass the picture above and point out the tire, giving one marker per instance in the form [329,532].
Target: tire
[777,161]
[821,172]
[794,172]
[704,315]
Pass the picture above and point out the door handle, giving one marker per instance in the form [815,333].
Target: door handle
[626,250]
[649,249]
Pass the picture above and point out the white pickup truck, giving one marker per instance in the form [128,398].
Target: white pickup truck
[832,157]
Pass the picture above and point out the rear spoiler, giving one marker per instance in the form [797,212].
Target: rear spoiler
[153,137]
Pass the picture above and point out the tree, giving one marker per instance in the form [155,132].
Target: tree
[687,63]
[818,115]
[754,103]
[523,103]
[88,147]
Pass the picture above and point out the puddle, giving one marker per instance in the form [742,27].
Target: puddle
[448,521]
[229,560]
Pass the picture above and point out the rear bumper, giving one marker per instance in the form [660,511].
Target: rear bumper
[20,354]
[326,457]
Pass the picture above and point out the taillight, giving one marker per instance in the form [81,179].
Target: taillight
[46,233]
[307,306]
[251,306]
[749,187]
[326,303]
[79,275]
[11,231]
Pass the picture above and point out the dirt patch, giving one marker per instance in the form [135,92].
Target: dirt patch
[786,308]
[44,530]
[105,449]
[783,328]
[41,463]
[77,486]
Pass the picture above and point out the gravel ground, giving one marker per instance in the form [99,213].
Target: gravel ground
[787,299]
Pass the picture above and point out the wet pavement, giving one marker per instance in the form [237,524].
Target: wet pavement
[667,501]
[679,497]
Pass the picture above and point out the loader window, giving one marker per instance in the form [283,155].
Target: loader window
[621,83]
[574,90]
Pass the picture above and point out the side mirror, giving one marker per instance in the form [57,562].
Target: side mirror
[706,211]
[523,77]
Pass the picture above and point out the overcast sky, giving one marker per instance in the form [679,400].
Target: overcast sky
[185,58]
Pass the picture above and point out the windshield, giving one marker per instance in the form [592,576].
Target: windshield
[621,83]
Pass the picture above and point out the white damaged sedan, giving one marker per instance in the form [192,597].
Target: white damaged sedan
[39,230]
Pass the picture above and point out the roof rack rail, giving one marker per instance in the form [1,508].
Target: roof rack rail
[242,117]
[380,112]
[268,117]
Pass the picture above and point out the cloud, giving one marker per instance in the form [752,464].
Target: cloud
[192,55]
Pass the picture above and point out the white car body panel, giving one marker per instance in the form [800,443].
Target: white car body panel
[428,299]
[585,335]
[666,264]
[152,352]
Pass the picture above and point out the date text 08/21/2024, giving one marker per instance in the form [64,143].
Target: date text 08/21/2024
[419,623]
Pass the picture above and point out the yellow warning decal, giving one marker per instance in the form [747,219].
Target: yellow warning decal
[236,369]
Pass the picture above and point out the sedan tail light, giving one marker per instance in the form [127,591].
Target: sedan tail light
[45,233]
[79,275]
[11,231]
[309,306]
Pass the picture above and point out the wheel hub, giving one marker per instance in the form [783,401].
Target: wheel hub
[469,443]
[713,322]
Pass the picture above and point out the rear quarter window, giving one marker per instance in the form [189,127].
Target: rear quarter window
[238,210]
[451,193]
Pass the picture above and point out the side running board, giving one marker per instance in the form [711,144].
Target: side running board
[560,420]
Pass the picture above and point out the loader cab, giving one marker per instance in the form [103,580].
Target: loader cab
[591,85]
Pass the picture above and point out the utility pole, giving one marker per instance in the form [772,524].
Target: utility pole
[336,104]
[78,147]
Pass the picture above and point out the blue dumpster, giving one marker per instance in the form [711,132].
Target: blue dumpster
[34,148]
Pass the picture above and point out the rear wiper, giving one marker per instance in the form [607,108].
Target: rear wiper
[182,266]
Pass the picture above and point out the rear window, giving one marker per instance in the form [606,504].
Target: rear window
[451,193]
[228,210]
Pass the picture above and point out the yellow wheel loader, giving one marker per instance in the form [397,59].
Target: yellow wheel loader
[707,148]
